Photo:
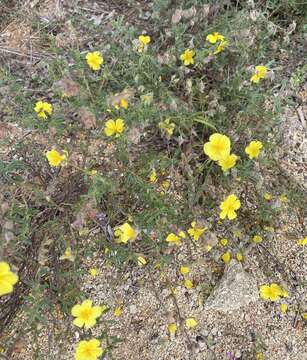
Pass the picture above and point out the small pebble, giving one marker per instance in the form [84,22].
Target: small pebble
[133,309]
[238,354]
[214,331]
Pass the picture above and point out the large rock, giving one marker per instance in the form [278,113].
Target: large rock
[235,290]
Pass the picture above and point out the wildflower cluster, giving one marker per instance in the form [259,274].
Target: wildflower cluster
[216,39]
[219,40]
[218,149]
[86,316]
[168,191]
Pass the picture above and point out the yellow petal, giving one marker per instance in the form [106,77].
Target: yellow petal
[188,284]
[239,256]
[224,242]
[283,308]
[5,288]
[118,311]
[184,270]
[75,311]
[226,257]
[172,328]
[93,272]
[78,322]
[191,323]
[141,261]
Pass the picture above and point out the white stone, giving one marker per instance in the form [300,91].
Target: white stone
[235,290]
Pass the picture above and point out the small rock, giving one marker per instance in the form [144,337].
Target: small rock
[87,118]
[214,331]
[8,225]
[133,309]
[8,236]
[201,341]
[205,333]
[238,354]
[235,290]
[247,317]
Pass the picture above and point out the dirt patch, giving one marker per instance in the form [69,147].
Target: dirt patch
[293,155]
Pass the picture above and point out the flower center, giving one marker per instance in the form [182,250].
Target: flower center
[230,207]
[217,147]
[86,314]
[88,352]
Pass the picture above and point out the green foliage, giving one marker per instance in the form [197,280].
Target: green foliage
[106,181]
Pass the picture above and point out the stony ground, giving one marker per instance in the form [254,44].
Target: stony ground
[233,322]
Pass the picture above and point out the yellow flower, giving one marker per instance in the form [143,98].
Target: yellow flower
[304,315]
[218,147]
[196,232]
[157,266]
[92,172]
[93,272]
[167,127]
[153,176]
[226,257]
[124,103]
[184,270]
[267,196]
[114,127]
[88,350]
[187,57]
[302,242]
[144,39]
[124,233]
[42,109]
[238,234]
[224,242]
[259,73]
[190,323]
[55,158]
[239,256]
[259,356]
[283,198]
[220,47]
[257,239]
[141,261]
[86,314]
[67,255]
[229,207]
[172,238]
[172,328]
[270,292]
[188,284]
[166,184]
[118,311]
[213,38]
[228,162]
[253,149]
[283,308]
[182,234]
[7,279]
[147,99]
[94,60]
